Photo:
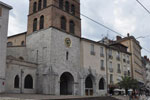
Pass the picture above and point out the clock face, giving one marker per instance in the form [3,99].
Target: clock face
[68,42]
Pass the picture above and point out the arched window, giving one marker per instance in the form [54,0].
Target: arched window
[72,27]
[67,6]
[16,82]
[42,22]
[73,9]
[9,44]
[63,23]
[101,84]
[35,24]
[34,7]
[44,3]
[61,4]
[88,82]
[40,4]
[28,82]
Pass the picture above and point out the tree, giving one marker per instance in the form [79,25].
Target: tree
[134,84]
[128,83]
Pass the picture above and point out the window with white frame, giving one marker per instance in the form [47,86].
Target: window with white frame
[110,66]
[119,69]
[92,49]
[118,55]
[110,52]
[128,60]
[111,78]
[102,51]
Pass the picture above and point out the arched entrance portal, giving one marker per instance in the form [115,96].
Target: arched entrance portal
[89,85]
[66,84]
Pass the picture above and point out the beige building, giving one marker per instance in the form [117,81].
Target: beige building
[17,40]
[110,61]
[136,61]
[93,60]
[118,62]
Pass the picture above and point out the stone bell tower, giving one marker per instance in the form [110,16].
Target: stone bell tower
[63,15]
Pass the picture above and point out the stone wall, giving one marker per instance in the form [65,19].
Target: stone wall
[51,58]
[3,41]
[22,69]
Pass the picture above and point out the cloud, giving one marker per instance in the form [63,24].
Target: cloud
[17,26]
[18,16]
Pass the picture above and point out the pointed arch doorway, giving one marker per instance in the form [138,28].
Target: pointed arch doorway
[66,84]
[89,85]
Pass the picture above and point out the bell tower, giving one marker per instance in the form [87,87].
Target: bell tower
[63,15]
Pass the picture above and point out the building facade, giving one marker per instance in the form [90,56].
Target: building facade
[17,40]
[118,62]
[93,61]
[146,73]
[136,61]
[4,15]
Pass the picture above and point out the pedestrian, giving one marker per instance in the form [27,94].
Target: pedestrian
[130,95]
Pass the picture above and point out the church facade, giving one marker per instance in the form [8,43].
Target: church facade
[51,62]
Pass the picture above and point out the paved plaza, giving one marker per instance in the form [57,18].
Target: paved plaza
[48,97]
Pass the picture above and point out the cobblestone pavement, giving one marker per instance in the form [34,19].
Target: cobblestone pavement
[48,97]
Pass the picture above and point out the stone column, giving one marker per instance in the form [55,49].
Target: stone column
[57,84]
[82,87]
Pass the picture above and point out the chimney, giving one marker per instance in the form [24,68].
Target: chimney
[145,57]
[128,34]
[118,38]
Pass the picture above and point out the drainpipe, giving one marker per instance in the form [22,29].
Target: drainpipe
[131,63]
[37,54]
[106,69]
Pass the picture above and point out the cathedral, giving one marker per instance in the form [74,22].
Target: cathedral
[54,59]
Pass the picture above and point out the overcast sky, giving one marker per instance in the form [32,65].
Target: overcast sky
[123,16]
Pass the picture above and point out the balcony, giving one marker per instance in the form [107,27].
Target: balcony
[102,68]
[128,62]
[111,70]
[102,55]
[110,57]
[92,53]
[124,60]
[118,58]
[119,71]
[125,73]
